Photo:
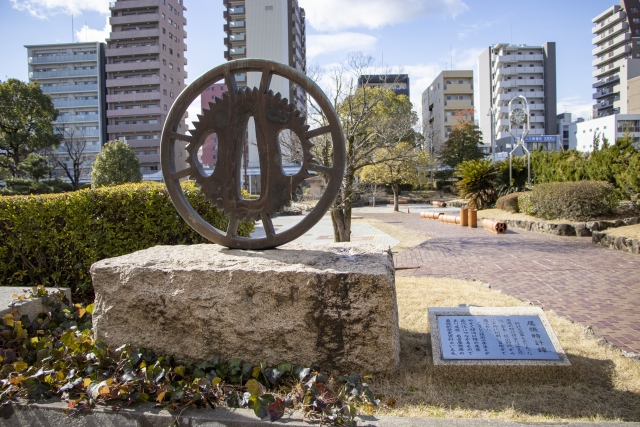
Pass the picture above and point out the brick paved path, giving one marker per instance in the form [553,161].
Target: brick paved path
[589,284]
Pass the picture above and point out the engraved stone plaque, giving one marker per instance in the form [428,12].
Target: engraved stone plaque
[494,336]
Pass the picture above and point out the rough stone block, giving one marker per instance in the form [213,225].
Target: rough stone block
[333,305]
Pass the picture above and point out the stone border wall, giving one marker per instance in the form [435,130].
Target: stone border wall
[619,243]
[584,229]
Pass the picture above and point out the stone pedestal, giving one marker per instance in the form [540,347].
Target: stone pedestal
[333,305]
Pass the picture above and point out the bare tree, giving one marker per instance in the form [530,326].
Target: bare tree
[373,120]
[432,143]
[73,144]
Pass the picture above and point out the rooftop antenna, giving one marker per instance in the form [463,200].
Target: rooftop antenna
[565,108]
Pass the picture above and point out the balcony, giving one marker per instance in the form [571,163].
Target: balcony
[136,81]
[510,95]
[143,18]
[604,92]
[519,83]
[135,34]
[69,88]
[62,73]
[62,58]
[133,66]
[536,119]
[133,97]
[237,37]
[504,71]
[237,24]
[606,103]
[128,51]
[604,25]
[606,69]
[611,56]
[610,33]
[143,127]
[612,44]
[236,10]
[458,104]
[238,50]
[607,81]
[133,4]
[458,89]
[537,106]
[75,103]
[78,118]
[134,112]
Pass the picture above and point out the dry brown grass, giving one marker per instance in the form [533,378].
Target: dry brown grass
[600,385]
[406,238]
[630,231]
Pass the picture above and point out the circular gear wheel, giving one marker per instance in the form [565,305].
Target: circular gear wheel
[275,116]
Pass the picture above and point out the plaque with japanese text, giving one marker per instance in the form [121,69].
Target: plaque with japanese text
[494,336]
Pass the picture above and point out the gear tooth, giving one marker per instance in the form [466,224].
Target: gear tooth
[278,96]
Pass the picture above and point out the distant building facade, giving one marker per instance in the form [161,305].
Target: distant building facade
[208,155]
[73,75]
[449,93]
[611,127]
[567,131]
[616,50]
[506,71]
[398,83]
[144,74]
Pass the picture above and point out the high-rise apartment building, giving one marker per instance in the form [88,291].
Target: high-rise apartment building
[73,75]
[266,29]
[449,93]
[506,71]
[398,83]
[208,154]
[617,57]
[145,73]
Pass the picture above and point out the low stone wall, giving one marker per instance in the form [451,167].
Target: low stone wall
[619,243]
[584,229]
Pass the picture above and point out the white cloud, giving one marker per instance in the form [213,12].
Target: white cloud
[44,8]
[474,28]
[86,34]
[466,59]
[577,106]
[319,44]
[336,15]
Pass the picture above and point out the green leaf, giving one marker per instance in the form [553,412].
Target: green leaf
[90,308]
[253,387]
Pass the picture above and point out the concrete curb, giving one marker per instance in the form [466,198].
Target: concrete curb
[52,414]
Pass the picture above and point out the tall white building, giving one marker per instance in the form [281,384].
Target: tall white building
[616,48]
[266,29]
[506,71]
[73,75]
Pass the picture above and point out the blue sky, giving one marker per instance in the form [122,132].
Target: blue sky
[420,37]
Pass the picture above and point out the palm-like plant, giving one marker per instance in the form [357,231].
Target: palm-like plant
[476,182]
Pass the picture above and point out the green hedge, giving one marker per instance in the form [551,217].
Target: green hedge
[580,200]
[53,239]
[509,202]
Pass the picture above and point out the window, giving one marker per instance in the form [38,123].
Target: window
[178,69]
[636,20]
[531,77]
[170,94]
[170,51]
[164,77]
[170,21]
[268,8]
[164,62]
[164,47]
[448,82]
[163,16]
[531,90]
[170,35]
[171,80]
[165,107]
[170,65]
[164,31]
[633,9]
[164,92]
[178,55]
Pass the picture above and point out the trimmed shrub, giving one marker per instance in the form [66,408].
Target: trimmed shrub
[580,200]
[524,203]
[52,240]
[22,186]
[509,202]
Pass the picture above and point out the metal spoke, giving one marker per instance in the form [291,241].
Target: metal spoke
[232,228]
[317,132]
[267,224]
[320,169]
[181,137]
[230,81]
[181,174]
[265,81]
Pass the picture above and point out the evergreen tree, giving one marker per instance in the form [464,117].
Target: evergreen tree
[115,165]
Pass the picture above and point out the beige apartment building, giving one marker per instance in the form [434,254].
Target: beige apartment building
[450,92]
[145,60]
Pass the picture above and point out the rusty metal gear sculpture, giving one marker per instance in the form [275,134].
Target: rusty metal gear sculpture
[228,117]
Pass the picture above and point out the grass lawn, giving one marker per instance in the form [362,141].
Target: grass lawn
[630,231]
[600,385]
